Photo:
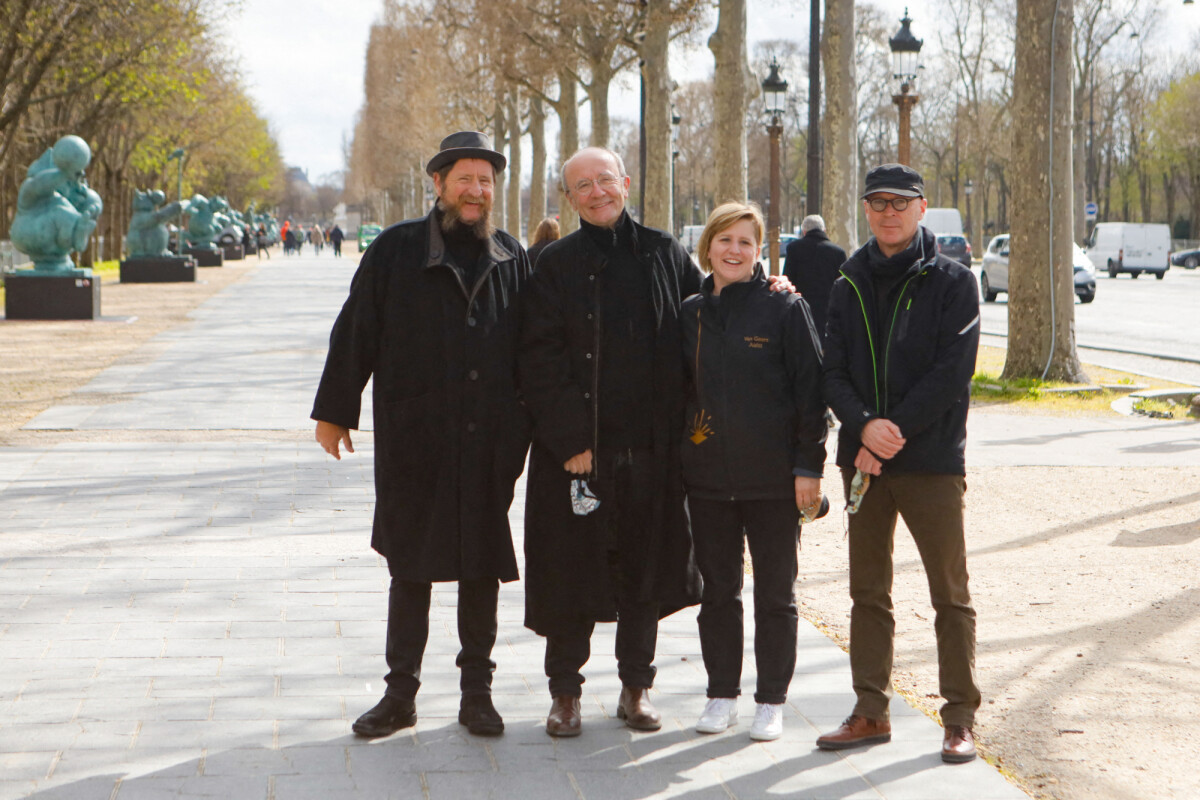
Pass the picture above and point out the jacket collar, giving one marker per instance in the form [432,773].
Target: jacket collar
[859,264]
[645,241]
[496,253]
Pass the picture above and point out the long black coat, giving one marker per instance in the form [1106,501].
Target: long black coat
[812,264]
[560,335]
[451,433]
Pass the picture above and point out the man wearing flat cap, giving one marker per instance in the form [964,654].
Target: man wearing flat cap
[903,331]
[432,318]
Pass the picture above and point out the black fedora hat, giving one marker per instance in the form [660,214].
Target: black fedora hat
[466,144]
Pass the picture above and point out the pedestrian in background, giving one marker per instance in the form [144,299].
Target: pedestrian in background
[900,350]
[336,237]
[753,458]
[547,232]
[812,264]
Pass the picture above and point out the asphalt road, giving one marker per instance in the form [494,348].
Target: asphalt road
[1146,315]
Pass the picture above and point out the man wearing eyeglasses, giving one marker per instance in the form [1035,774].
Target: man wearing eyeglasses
[601,374]
[903,331]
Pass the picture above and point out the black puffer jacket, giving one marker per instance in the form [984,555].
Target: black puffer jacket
[913,368]
[754,413]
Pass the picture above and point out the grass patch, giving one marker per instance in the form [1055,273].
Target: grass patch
[1161,408]
[1052,397]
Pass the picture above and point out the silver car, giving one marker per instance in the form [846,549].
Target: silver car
[993,275]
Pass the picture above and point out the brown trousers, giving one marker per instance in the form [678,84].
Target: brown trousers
[932,508]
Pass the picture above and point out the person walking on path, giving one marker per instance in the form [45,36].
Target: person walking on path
[262,242]
[900,349]
[601,373]
[753,457]
[812,264]
[432,316]
[547,232]
[336,237]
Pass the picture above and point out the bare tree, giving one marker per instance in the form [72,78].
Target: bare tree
[733,87]
[1041,306]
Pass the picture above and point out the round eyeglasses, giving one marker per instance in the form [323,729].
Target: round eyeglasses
[881,203]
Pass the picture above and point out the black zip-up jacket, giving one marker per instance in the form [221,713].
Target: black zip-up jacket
[755,416]
[913,368]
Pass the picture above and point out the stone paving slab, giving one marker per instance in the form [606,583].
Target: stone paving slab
[204,617]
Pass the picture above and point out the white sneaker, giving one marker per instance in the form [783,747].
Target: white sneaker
[719,714]
[768,723]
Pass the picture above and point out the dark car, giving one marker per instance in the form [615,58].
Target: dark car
[956,247]
[1188,259]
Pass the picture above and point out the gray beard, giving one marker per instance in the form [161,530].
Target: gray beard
[451,222]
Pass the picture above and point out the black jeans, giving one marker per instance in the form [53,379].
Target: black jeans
[408,632]
[626,502]
[770,528]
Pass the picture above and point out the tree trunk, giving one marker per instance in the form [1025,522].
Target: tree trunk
[1079,177]
[733,86]
[597,92]
[537,182]
[568,143]
[839,202]
[657,74]
[513,220]
[1041,304]
[499,141]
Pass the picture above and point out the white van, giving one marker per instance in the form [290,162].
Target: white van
[943,221]
[1133,247]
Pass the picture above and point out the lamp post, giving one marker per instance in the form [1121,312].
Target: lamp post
[969,189]
[676,217]
[906,55]
[774,89]
[178,155]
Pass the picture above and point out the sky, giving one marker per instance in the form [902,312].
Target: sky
[303,63]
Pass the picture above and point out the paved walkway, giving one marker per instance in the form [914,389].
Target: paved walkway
[190,608]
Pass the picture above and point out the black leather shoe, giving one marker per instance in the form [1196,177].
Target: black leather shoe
[388,716]
[479,715]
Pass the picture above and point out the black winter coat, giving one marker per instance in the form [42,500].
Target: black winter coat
[754,411]
[559,367]
[913,368]
[451,432]
[812,264]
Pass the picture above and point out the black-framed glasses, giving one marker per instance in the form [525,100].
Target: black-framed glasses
[881,203]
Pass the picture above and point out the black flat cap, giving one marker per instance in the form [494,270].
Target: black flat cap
[896,179]
[466,144]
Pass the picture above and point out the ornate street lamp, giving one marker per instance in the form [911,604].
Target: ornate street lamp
[906,57]
[676,217]
[969,189]
[774,91]
[178,155]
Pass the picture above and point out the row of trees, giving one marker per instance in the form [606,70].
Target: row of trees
[136,79]
[517,61]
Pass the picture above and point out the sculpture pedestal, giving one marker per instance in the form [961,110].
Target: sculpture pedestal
[206,258]
[159,269]
[233,252]
[30,296]
[250,249]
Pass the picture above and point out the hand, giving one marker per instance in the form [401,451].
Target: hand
[808,491]
[883,438]
[580,464]
[330,435]
[780,283]
[867,462]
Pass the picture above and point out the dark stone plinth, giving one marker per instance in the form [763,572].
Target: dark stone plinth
[29,296]
[233,252]
[163,269]
[206,258]
[251,249]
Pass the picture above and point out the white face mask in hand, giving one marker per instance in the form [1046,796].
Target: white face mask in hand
[583,501]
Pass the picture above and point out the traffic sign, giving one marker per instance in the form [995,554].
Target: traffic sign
[1090,210]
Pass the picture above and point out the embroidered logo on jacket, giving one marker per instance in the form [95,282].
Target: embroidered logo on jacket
[756,342]
[700,429]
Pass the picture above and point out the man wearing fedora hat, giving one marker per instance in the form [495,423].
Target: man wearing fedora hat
[432,318]
[900,345]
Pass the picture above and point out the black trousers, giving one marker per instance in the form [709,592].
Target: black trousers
[770,528]
[408,632]
[626,501]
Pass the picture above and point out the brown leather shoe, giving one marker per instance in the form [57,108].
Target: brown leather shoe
[856,731]
[958,746]
[636,709]
[565,719]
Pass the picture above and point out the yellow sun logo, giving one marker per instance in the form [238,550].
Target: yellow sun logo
[701,429]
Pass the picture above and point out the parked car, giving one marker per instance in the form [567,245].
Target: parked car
[1133,247]
[956,247]
[367,234]
[993,275]
[1188,259]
